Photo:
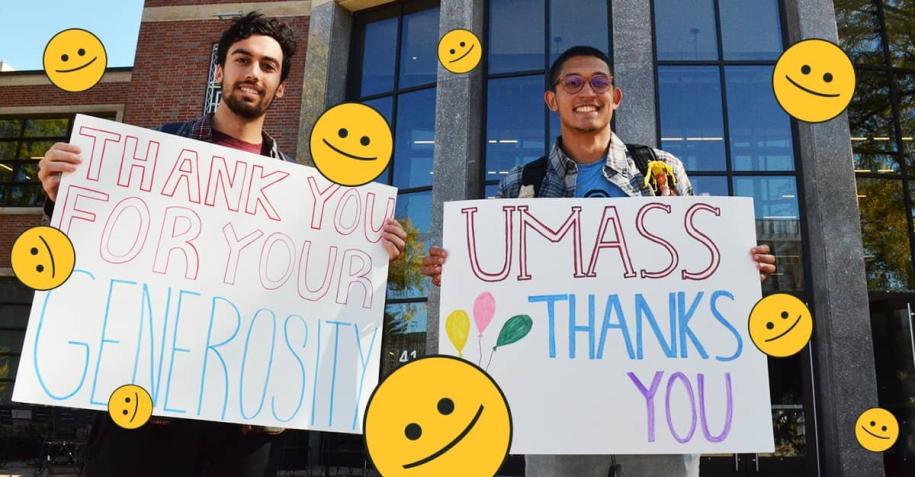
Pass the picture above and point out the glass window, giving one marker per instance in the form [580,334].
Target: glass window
[419,43]
[859,30]
[11,341]
[414,139]
[379,47]
[405,334]
[516,34]
[870,114]
[905,89]
[414,212]
[578,22]
[514,123]
[56,127]
[692,127]
[383,106]
[750,29]
[777,225]
[900,31]
[884,230]
[715,186]
[685,30]
[9,128]
[23,141]
[760,131]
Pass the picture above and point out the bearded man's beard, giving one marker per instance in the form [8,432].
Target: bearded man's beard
[245,109]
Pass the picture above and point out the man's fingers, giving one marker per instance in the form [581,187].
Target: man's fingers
[766,268]
[67,147]
[396,240]
[765,258]
[56,167]
[395,228]
[57,155]
[437,251]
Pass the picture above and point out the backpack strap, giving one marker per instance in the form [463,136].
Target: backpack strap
[533,173]
[642,155]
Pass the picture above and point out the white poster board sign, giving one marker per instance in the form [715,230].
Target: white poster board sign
[614,326]
[231,286]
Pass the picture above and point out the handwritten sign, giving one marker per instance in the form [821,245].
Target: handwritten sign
[612,326]
[233,287]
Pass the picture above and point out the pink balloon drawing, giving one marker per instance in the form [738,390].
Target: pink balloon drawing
[484,307]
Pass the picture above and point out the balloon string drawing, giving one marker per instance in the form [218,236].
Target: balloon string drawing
[457,327]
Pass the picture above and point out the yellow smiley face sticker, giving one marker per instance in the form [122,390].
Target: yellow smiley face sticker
[813,81]
[75,60]
[42,258]
[459,51]
[780,325]
[876,429]
[438,416]
[130,406]
[351,144]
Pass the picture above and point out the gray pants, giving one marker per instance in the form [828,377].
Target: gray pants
[678,465]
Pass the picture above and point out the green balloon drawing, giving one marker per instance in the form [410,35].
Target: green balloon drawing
[514,329]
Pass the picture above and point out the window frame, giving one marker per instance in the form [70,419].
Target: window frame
[484,64]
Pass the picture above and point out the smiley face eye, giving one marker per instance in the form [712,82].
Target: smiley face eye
[124,412]
[883,428]
[342,132]
[451,51]
[805,69]
[873,423]
[127,400]
[784,315]
[365,141]
[39,268]
[462,44]
[81,52]
[770,325]
[827,77]
[64,57]
[413,431]
[33,251]
[445,406]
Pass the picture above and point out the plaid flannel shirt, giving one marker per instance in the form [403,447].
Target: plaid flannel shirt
[619,169]
[201,129]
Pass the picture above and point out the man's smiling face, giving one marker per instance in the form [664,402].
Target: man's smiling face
[251,76]
[585,110]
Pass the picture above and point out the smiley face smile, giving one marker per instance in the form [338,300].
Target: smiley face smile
[462,56]
[825,95]
[798,320]
[351,156]
[78,67]
[451,444]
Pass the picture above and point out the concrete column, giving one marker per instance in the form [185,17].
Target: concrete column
[458,135]
[844,373]
[326,59]
[633,65]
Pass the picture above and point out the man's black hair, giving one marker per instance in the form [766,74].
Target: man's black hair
[255,23]
[574,51]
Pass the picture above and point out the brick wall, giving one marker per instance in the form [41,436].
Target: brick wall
[10,228]
[172,3]
[50,95]
[170,76]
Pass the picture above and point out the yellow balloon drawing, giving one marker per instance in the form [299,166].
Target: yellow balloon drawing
[458,328]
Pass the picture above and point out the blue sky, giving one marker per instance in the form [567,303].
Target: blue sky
[27,25]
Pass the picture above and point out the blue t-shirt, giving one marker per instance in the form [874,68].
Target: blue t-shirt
[591,182]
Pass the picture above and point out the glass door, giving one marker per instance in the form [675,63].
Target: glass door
[894,358]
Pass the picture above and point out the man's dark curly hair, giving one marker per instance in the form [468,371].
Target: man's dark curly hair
[254,23]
